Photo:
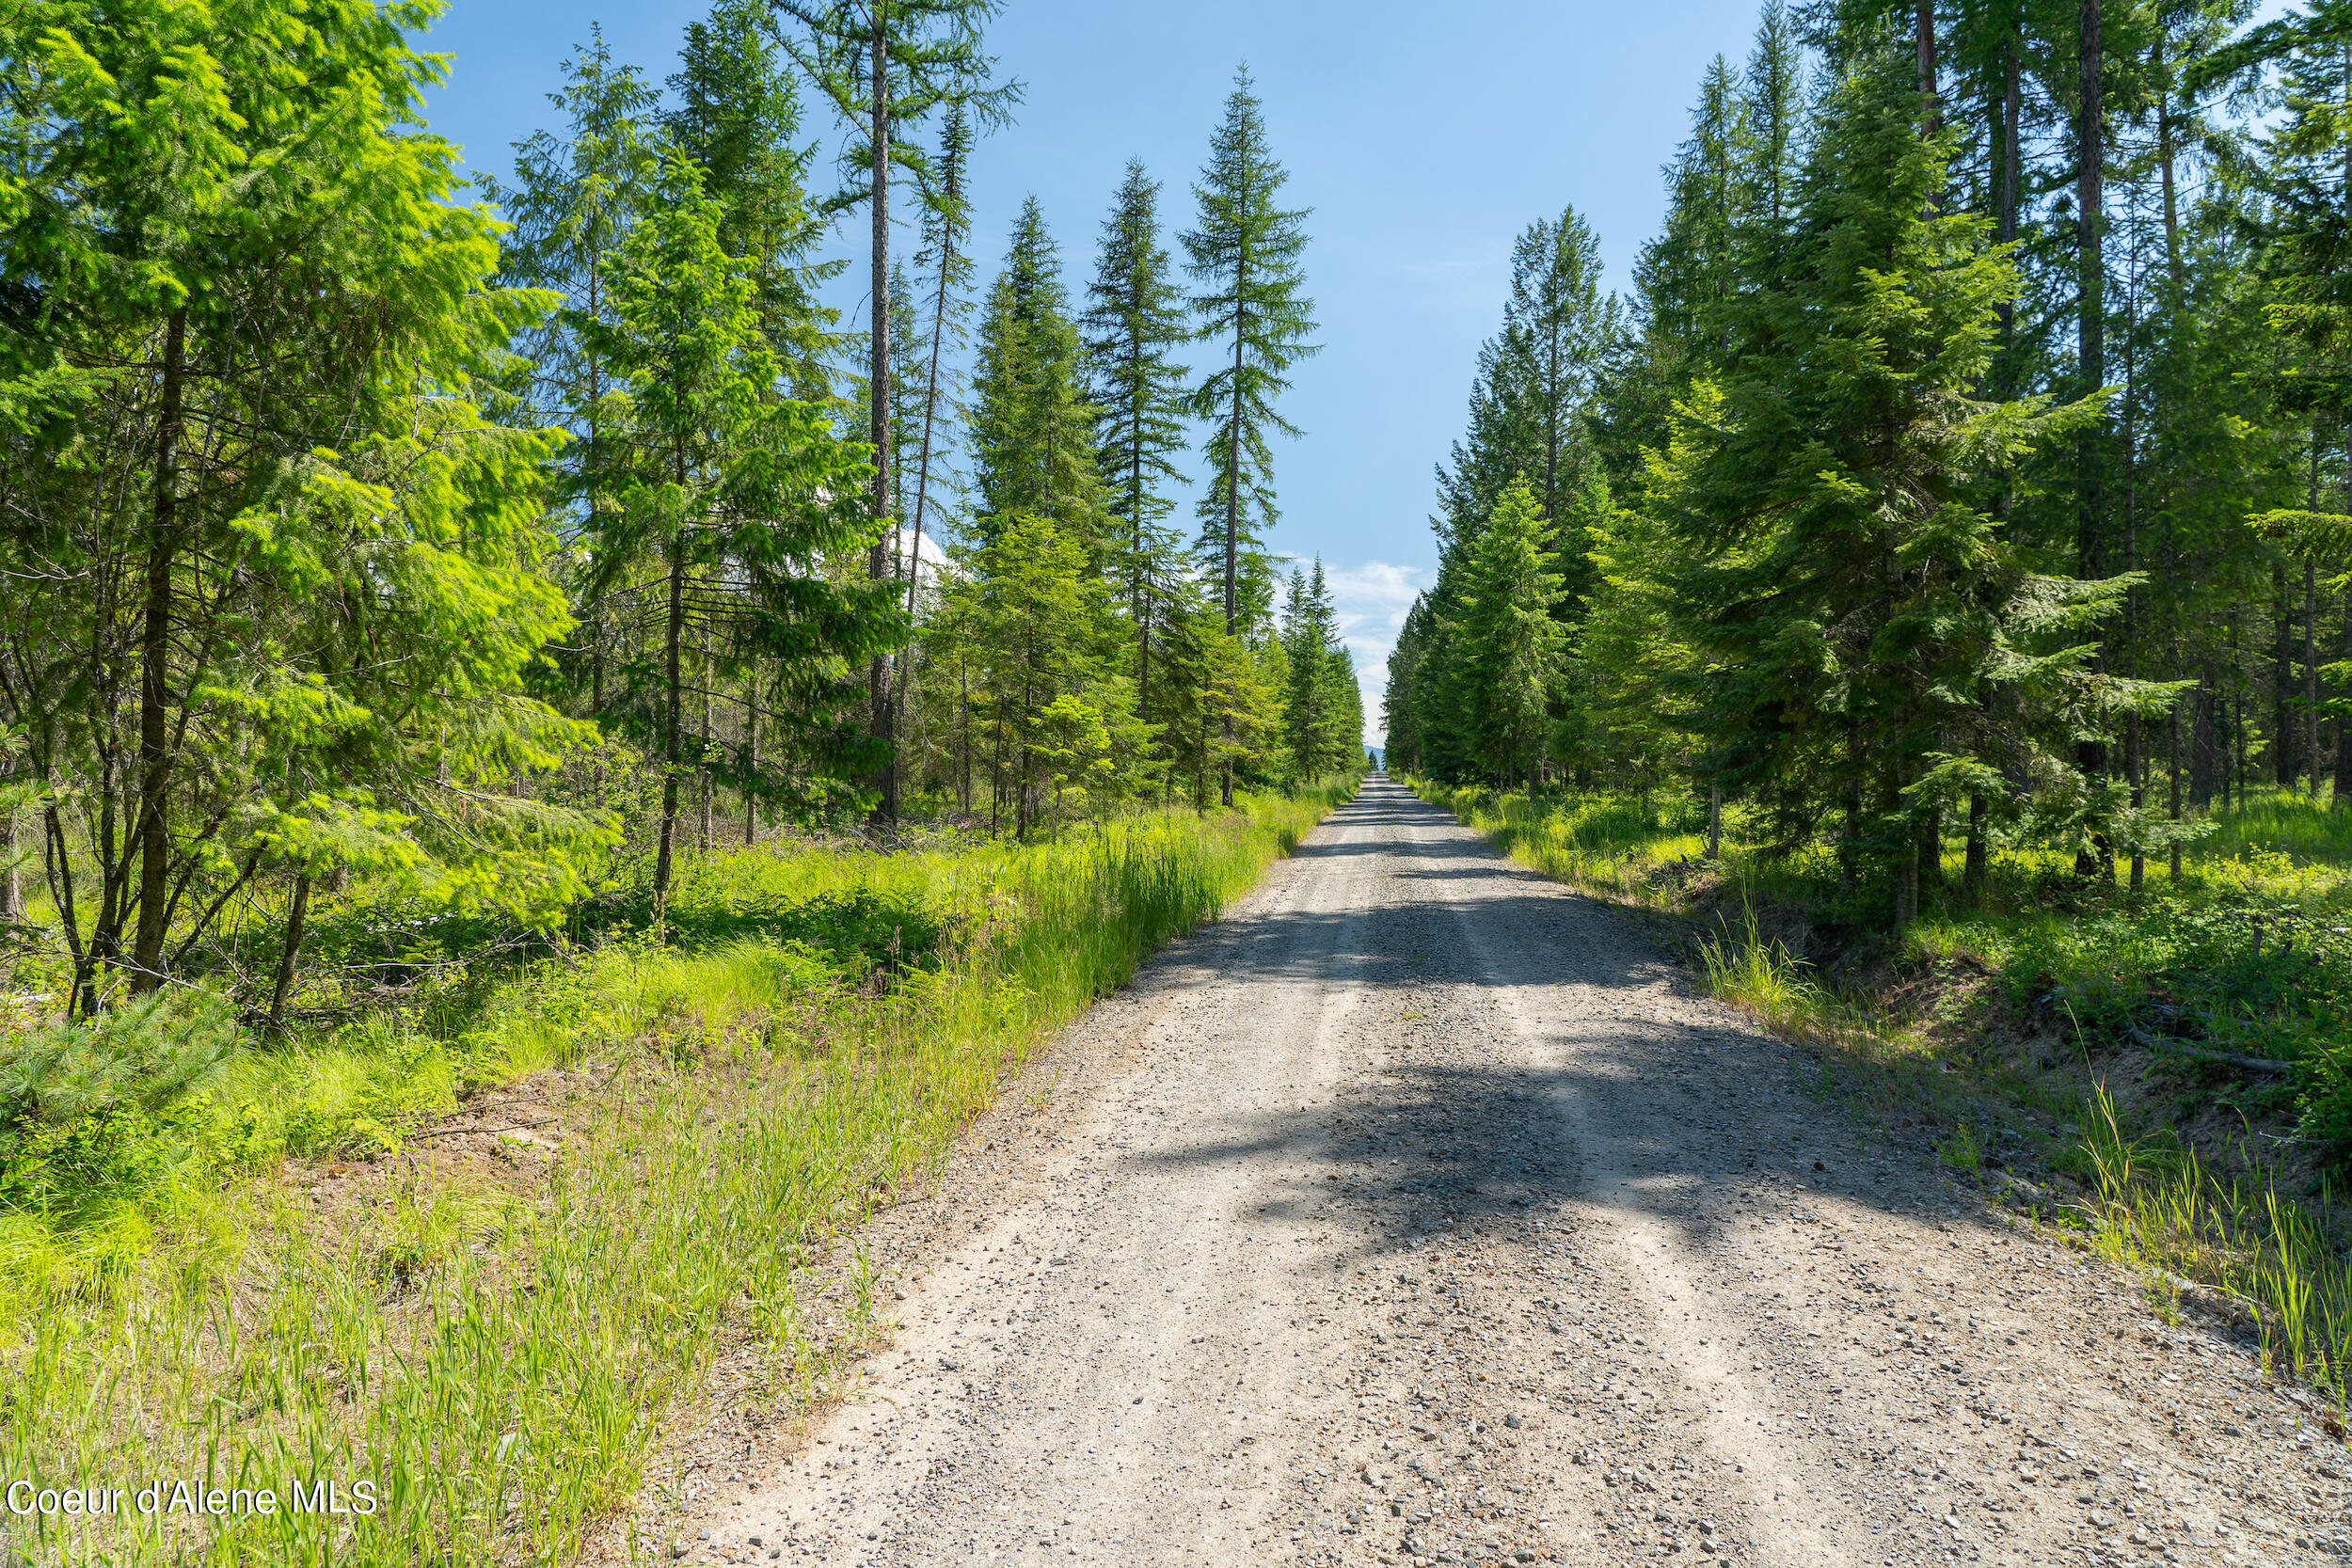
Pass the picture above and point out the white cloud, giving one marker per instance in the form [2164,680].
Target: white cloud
[1372,600]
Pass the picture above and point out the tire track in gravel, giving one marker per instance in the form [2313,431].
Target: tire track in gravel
[1434,1220]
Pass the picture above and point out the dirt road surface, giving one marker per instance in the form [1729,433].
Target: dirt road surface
[1429,1217]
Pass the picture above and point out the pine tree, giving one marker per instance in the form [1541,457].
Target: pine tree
[1031,429]
[885,69]
[1244,252]
[724,488]
[1310,716]
[736,114]
[574,200]
[1135,317]
[1512,639]
[1847,601]
[294,570]
[1253,311]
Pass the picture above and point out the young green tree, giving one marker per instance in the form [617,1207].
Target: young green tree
[1031,434]
[1513,636]
[1311,716]
[736,114]
[1244,253]
[574,197]
[1849,602]
[1057,710]
[726,491]
[295,575]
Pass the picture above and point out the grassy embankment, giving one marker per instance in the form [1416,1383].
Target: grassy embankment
[2053,1024]
[494,1341]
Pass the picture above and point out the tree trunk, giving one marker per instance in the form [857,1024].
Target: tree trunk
[11,879]
[2311,673]
[1714,821]
[1906,865]
[2285,765]
[1924,27]
[58,862]
[2090,353]
[295,919]
[11,882]
[877,557]
[672,630]
[2166,156]
[155,671]
[750,765]
[2343,723]
[2005,227]
[1973,872]
[1233,520]
[709,780]
[923,470]
[2172,765]
[2204,740]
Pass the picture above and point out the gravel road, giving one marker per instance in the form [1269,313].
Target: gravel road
[1426,1214]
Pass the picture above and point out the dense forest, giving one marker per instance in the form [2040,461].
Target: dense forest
[504,545]
[1967,468]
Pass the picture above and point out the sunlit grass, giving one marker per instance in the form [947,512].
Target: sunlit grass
[2162,1210]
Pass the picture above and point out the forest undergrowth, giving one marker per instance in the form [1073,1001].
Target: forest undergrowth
[2076,1047]
[475,1250]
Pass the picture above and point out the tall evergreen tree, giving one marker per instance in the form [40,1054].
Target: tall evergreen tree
[1312,718]
[1244,253]
[1135,318]
[1253,310]
[885,65]
[724,489]
[1513,637]
[736,114]
[1031,427]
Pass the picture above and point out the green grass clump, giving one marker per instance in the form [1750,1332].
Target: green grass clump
[495,1358]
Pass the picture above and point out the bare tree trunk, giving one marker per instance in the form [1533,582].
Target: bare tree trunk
[1973,872]
[1714,821]
[2206,770]
[154,834]
[709,780]
[2311,673]
[1925,30]
[295,918]
[2286,764]
[12,883]
[2006,229]
[877,557]
[673,629]
[2343,725]
[2090,351]
[750,762]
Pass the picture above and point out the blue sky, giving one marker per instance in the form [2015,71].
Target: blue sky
[1424,139]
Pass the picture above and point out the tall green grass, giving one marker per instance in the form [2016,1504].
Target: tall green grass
[2160,1209]
[497,1359]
